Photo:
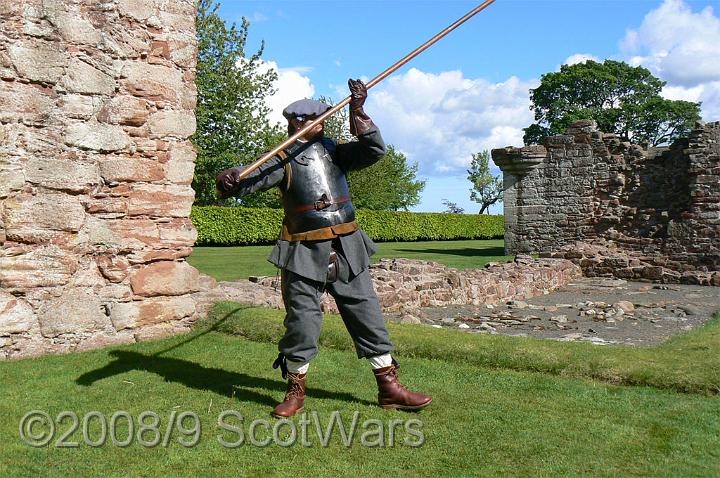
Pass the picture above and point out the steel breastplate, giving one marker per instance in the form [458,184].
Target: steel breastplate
[318,195]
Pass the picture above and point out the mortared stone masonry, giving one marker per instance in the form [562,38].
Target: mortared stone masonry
[615,208]
[97,103]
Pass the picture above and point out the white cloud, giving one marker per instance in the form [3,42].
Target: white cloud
[677,44]
[682,93]
[301,70]
[681,47]
[707,93]
[439,120]
[291,85]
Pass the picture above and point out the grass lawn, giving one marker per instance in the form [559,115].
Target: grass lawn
[687,362]
[232,263]
[503,406]
[485,420]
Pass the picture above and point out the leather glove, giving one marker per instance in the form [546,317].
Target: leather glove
[358,94]
[360,122]
[227,181]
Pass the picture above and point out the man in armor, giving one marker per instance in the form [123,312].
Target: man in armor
[322,248]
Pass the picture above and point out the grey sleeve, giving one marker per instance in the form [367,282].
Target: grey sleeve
[366,151]
[269,174]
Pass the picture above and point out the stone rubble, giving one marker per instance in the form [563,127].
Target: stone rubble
[623,313]
[611,311]
[405,286]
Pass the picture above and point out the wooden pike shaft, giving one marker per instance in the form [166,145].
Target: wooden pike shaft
[253,166]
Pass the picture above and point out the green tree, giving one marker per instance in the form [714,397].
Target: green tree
[337,126]
[487,189]
[389,184]
[622,99]
[232,124]
[452,208]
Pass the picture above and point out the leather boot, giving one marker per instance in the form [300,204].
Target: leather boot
[393,394]
[294,398]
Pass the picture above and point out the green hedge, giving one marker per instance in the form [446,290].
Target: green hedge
[429,226]
[233,226]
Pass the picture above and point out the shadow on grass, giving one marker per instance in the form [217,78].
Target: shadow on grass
[466,252]
[685,363]
[196,376]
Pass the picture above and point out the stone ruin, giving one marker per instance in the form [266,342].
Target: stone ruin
[618,209]
[97,103]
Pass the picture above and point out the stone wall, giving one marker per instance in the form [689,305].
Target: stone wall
[97,103]
[406,284]
[661,206]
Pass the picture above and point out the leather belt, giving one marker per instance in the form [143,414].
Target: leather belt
[324,233]
[320,204]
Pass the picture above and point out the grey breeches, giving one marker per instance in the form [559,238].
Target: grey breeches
[358,305]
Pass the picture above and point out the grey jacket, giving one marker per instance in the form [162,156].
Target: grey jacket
[310,258]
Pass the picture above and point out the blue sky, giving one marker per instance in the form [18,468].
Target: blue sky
[470,91]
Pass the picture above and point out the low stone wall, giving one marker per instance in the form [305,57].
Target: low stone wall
[405,284]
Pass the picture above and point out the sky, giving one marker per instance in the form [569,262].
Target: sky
[470,91]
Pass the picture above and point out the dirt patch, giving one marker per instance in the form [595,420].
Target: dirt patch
[601,311]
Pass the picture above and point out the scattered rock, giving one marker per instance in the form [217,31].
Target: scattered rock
[516,304]
[487,327]
[410,319]
[572,336]
[690,309]
[597,341]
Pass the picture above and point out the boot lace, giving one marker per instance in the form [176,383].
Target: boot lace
[393,375]
[295,389]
